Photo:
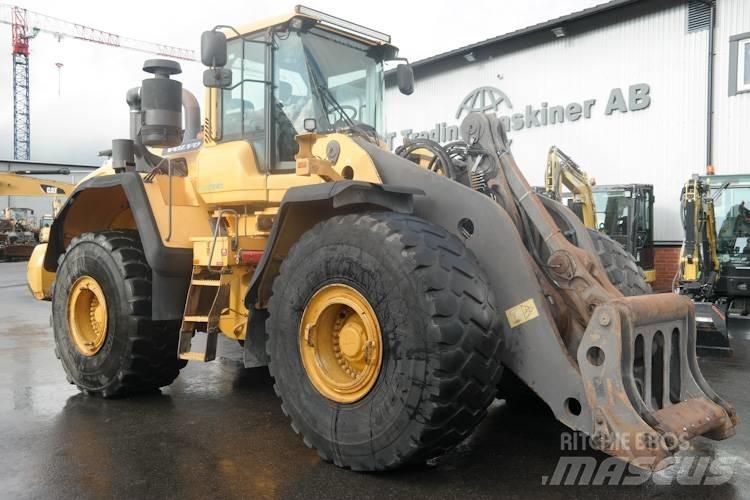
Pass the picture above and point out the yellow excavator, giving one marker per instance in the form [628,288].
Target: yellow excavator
[714,267]
[387,301]
[624,212]
[18,232]
[562,171]
[21,184]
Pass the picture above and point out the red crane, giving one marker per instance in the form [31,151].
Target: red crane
[25,25]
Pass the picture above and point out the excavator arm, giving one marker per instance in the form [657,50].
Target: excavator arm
[14,184]
[563,171]
[699,263]
[699,269]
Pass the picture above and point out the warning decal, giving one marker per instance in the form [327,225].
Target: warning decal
[523,312]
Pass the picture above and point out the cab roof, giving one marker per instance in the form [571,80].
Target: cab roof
[346,28]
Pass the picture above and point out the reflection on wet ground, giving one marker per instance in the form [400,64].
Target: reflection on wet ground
[218,431]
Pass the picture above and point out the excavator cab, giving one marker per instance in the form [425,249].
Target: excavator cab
[731,196]
[625,213]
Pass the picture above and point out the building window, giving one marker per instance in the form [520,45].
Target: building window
[743,66]
[739,64]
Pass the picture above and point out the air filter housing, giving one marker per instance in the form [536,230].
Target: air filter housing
[161,104]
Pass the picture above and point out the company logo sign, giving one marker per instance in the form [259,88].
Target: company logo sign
[487,99]
[482,100]
[47,189]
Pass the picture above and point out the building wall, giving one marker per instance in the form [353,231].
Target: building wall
[666,260]
[731,113]
[662,144]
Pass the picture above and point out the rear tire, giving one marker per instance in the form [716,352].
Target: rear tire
[440,333]
[136,354]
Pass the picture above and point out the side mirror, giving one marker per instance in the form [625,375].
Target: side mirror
[405,79]
[213,49]
[217,78]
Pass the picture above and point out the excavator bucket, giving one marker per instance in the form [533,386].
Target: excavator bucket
[713,332]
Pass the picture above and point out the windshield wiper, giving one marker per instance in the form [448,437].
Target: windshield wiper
[325,94]
[345,116]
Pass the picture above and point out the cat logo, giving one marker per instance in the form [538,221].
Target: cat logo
[483,99]
[47,189]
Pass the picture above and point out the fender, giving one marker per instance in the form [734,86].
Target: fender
[303,207]
[170,267]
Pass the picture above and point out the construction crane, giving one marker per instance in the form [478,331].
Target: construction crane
[25,25]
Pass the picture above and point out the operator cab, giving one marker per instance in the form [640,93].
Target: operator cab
[731,199]
[309,72]
[625,214]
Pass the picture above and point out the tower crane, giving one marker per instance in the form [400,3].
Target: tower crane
[25,25]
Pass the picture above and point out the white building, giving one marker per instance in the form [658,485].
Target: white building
[621,87]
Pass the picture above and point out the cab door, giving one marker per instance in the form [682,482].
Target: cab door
[233,166]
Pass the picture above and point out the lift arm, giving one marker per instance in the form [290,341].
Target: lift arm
[563,171]
[635,355]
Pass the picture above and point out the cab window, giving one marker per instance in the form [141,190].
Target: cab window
[293,100]
[243,105]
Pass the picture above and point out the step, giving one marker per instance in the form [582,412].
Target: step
[193,356]
[195,319]
[206,282]
[185,352]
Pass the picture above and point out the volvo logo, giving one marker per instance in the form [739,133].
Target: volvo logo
[483,99]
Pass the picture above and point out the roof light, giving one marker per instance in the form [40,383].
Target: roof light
[559,31]
[341,23]
[470,57]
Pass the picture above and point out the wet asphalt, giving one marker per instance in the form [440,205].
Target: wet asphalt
[218,432]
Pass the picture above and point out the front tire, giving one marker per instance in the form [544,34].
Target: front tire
[101,314]
[438,330]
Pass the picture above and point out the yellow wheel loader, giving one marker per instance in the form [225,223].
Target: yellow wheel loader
[386,300]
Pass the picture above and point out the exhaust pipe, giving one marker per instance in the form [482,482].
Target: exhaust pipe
[192,116]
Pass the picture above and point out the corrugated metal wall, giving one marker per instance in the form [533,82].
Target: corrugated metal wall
[661,145]
[731,113]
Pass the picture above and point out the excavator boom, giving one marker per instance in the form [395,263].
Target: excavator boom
[12,184]
[563,171]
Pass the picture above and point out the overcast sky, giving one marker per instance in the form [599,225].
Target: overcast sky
[90,109]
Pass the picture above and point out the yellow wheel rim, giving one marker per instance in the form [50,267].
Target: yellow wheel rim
[87,315]
[340,343]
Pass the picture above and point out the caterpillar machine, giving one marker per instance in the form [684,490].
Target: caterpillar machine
[714,267]
[19,231]
[386,300]
[624,212]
